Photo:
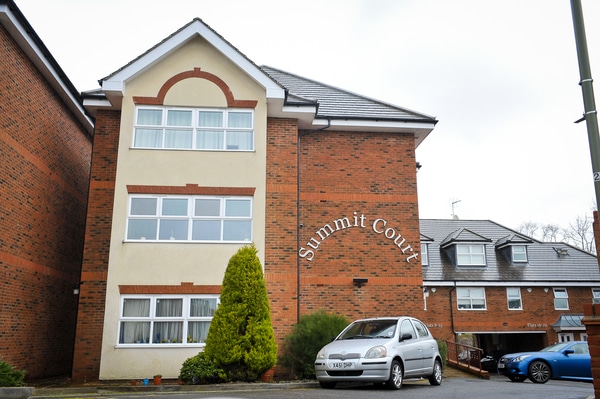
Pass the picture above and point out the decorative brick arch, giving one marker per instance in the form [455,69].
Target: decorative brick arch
[195,73]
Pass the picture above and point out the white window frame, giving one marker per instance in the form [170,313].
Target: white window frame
[424,254]
[185,319]
[513,295]
[519,253]
[195,129]
[595,295]
[470,255]
[561,299]
[471,298]
[161,218]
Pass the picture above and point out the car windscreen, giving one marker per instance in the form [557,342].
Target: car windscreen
[556,347]
[370,329]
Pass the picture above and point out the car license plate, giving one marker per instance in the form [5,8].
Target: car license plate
[500,365]
[341,365]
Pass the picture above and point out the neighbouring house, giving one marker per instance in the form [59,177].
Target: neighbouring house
[506,291]
[197,152]
[45,154]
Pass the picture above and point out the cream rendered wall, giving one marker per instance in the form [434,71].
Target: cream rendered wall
[165,263]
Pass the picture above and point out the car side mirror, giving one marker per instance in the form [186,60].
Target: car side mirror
[405,336]
[568,351]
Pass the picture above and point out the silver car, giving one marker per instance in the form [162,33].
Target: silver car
[381,350]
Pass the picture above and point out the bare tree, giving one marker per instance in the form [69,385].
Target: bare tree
[529,228]
[581,234]
[550,232]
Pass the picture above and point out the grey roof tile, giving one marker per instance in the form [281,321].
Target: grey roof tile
[545,261]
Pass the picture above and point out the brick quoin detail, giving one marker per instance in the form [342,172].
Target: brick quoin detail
[90,323]
[45,162]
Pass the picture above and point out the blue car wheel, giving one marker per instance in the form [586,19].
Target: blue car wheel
[539,372]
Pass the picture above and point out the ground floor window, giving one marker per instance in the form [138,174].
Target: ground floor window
[166,319]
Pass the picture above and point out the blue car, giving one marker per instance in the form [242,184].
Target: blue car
[567,360]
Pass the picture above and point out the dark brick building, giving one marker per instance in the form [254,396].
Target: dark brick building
[45,148]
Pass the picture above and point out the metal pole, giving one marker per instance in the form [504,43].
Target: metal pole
[590,116]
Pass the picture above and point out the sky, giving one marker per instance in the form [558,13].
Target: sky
[500,76]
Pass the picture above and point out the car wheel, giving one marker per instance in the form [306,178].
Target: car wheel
[396,375]
[516,378]
[436,377]
[327,384]
[539,372]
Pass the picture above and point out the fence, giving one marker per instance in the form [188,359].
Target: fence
[466,357]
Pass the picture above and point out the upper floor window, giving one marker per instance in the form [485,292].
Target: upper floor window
[424,255]
[189,218]
[561,299]
[470,255]
[159,320]
[471,298]
[519,253]
[194,129]
[513,296]
[595,295]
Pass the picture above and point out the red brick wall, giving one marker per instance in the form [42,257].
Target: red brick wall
[281,232]
[45,161]
[538,312]
[591,320]
[90,319]
[341,173]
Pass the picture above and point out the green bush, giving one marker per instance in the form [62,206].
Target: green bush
[240,339]
[443,347]
[311,333]
[9,376]
[199,370]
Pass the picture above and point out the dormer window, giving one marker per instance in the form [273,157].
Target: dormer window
[470,255]
[519,253]
[424,255]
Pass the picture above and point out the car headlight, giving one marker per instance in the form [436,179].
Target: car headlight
[519,358]
[376,352]
[321,354]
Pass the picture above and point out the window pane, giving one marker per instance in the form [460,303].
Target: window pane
[143,206]
[237,230]
[178,139]
[179,118]
[239,140]
[237,207]
[203,307]
[149,117]
[168,332]
[210,119]
[208,207]
[514,304]
[206,230]
[169,307]
[142,229]
[134,332]
[173,229]
[136,307]
[239,119]
[148,138]
[174,206]
[210,139]
[197,331]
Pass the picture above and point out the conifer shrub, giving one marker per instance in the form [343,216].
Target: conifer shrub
[240,339]
[312,332]
[199,370]
[9,376]
[443,349]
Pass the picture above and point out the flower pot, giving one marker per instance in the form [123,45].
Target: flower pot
[134,382]
[157,380]
[268,375]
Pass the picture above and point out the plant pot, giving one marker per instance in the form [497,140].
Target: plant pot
[268,375]
[157,380]
[134,382]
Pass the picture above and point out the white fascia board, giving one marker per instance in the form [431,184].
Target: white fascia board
[35,54]
[96,103]
[546,284]
[196,28]
[400,125]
